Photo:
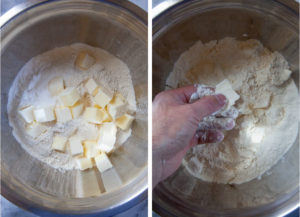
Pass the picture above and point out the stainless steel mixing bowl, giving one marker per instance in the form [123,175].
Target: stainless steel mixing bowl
[275,24]
[38,26]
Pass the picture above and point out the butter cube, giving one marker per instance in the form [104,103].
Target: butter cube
[225,88]
[95,115]
[91,86]
[35,129]
[84,61]
[90,148]
[59,143]
[69,96]
[102,162]
[124,122]
[77,110]
[63,114]
[45,114]
[103,97]
[75,145]
[84,163]
[27,114]
[117,106]
[56,86]
[107,137]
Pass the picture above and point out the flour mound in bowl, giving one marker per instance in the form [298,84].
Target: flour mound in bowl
[30,87]
[267,125]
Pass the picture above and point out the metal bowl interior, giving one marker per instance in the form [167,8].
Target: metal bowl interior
[174,31]
[119,28]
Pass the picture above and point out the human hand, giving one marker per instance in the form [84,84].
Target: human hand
[175,122]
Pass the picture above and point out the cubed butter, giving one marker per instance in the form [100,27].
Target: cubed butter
[117,106]
[56,86]
[27,114]
[75,145]
[45,114]
[124,122]
[103,97]
[102,162]
[95,115]
[84,163]
[35,129]
[69,96]
[226,89]
[90,148]
[91,87]
[59,143]
[84,60]
[63,114]
[107,137]
[77,110]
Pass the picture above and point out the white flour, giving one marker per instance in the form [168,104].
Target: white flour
[30,88]
[267,125]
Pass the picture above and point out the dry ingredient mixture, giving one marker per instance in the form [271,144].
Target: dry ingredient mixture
[72,105]
[267,123]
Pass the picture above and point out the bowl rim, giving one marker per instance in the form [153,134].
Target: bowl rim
[19,9]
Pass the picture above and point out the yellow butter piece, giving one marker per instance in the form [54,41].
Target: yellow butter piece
[75,145]
[63,114]
[84,60]
[45,114]
[117,107]
[84,163]
[103,97]
[56,85]
[102,162]
[69,96]
[27,114]
[226,89]
[95,115]
[35,129]
[107,137]
[59,143]
[91,86]
[124,122]
[77,110]
[90,148]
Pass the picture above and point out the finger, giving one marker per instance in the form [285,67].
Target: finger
[176,96]
[209,136]
[207,105]
[213,123]
[202,90]
[232,112]
[185,93]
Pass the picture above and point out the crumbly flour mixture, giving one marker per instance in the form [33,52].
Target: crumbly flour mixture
[30,88]
[267,124]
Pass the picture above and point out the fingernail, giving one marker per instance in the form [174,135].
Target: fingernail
[230,124]
[221,99]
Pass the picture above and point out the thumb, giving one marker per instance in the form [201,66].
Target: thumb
[207,105]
